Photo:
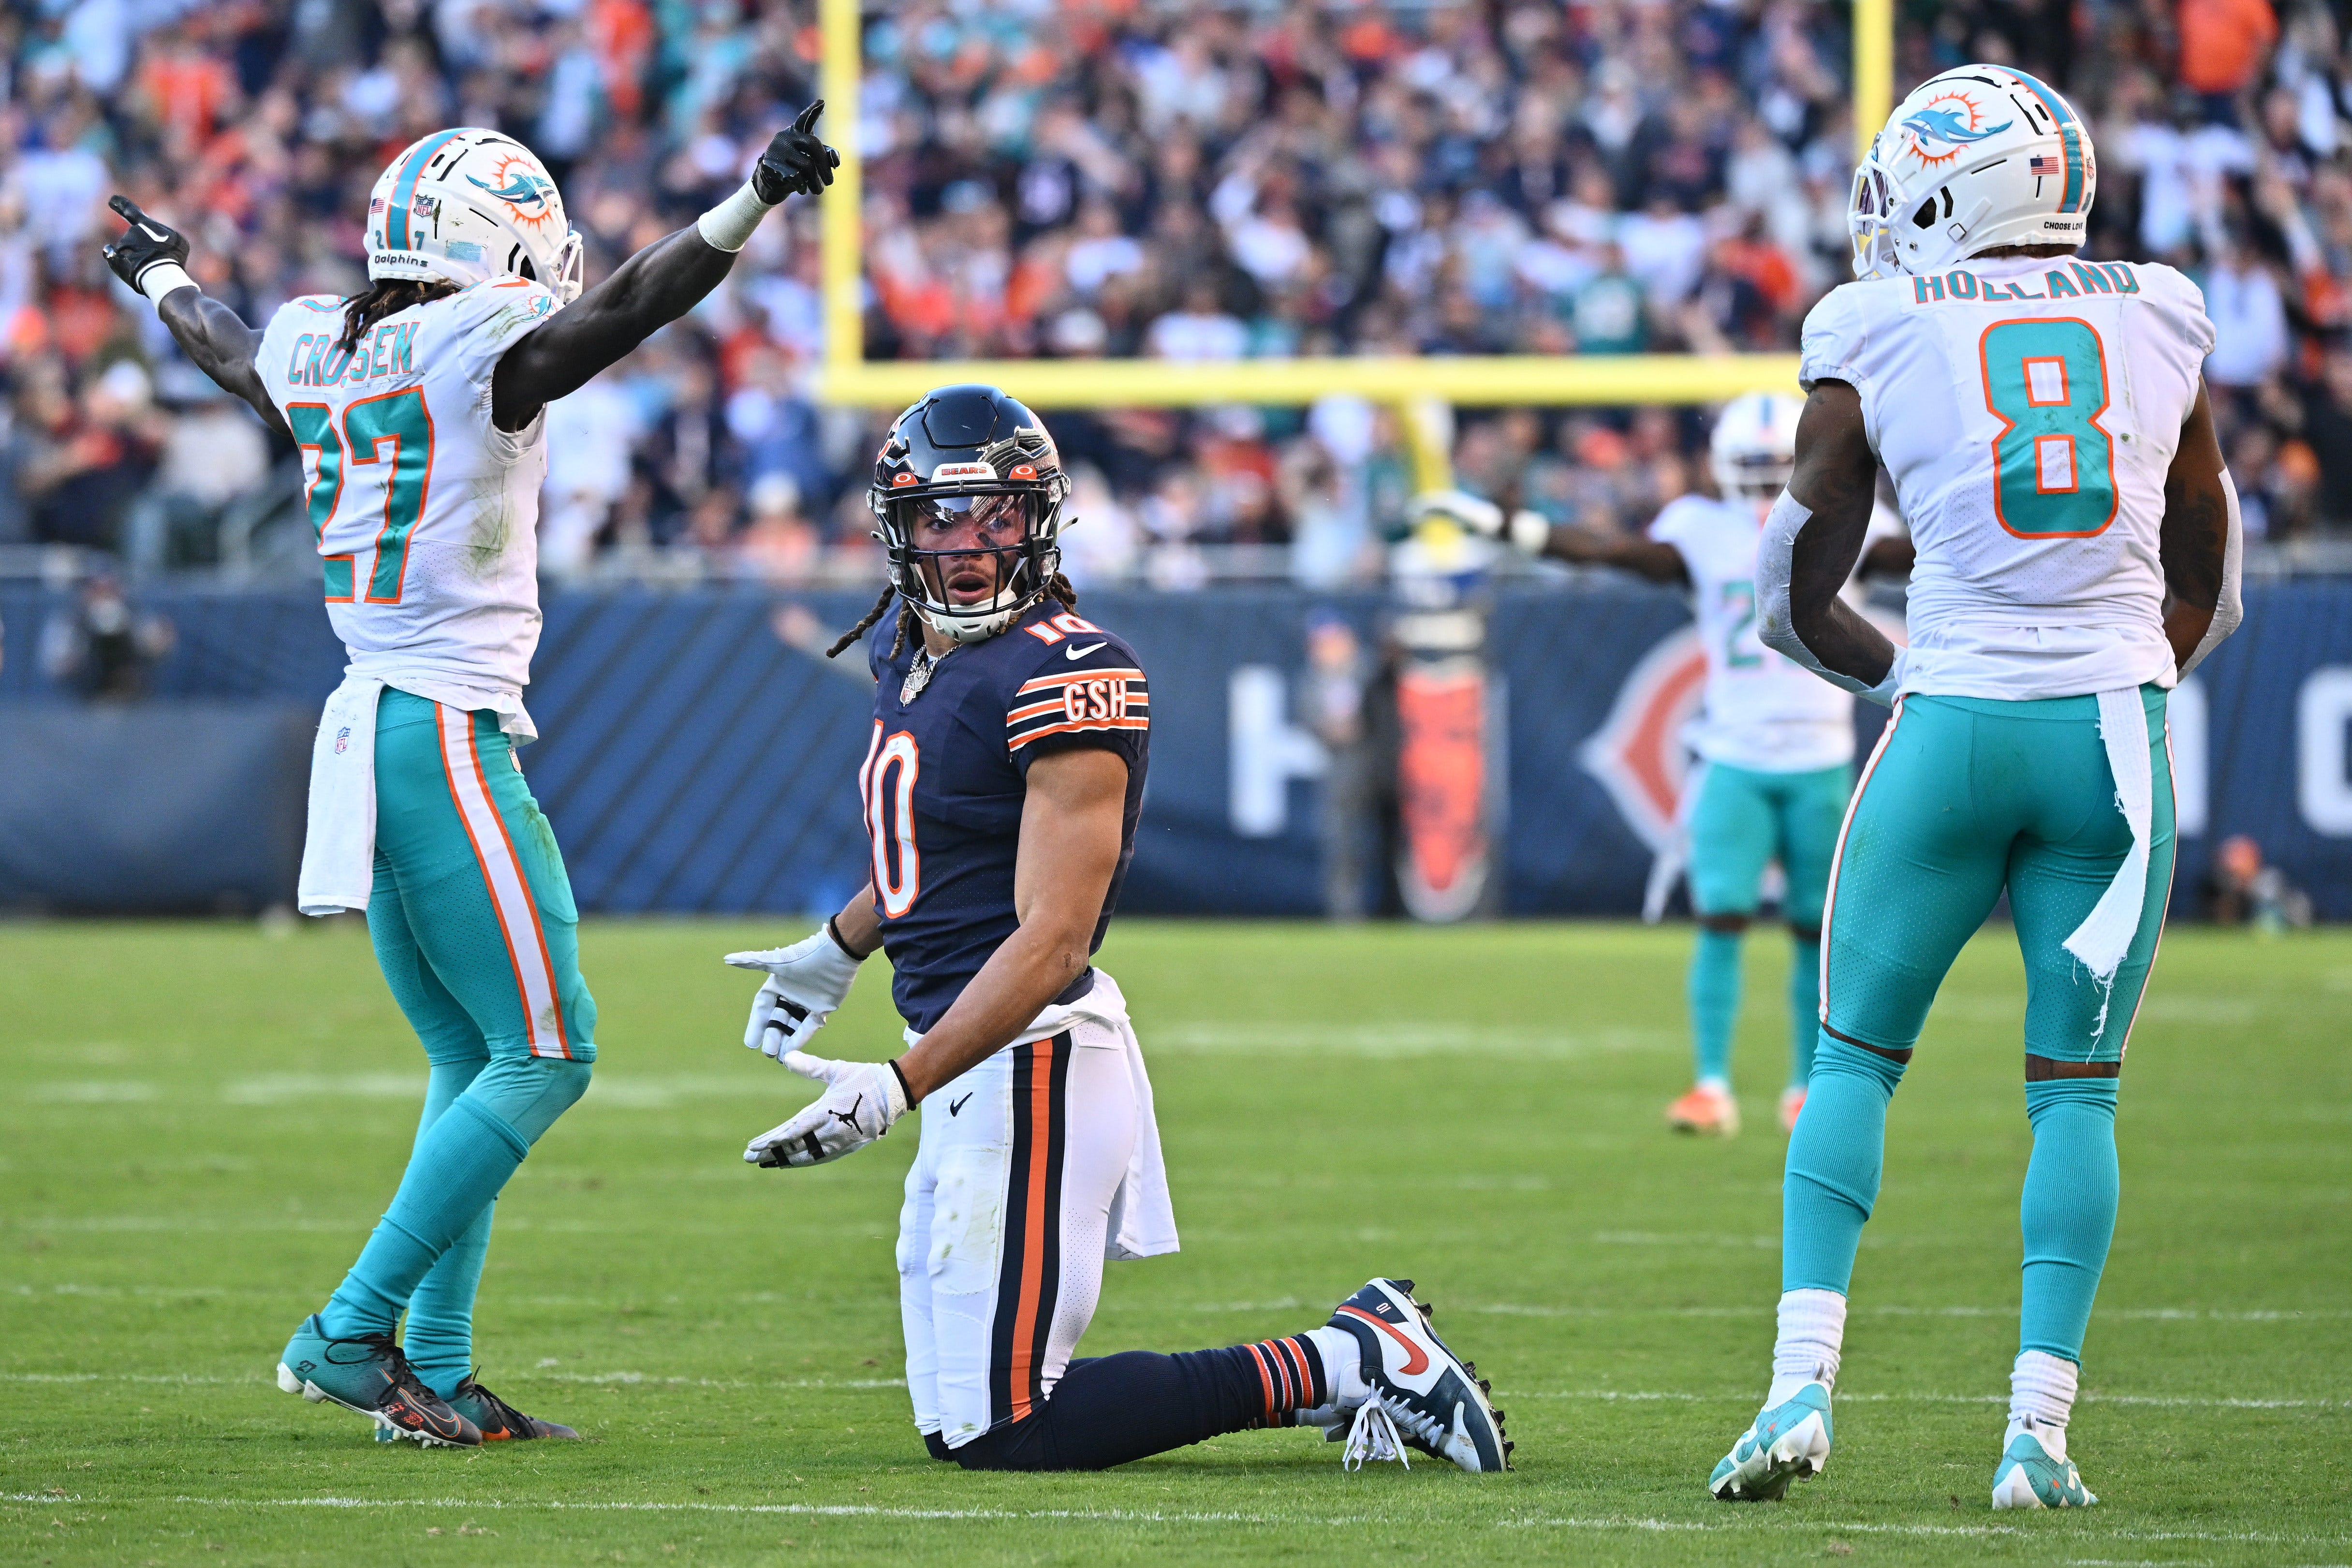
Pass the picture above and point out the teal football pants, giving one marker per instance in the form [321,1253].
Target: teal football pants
[474,926]
[1745,819]
[1965,799]
[1742,820]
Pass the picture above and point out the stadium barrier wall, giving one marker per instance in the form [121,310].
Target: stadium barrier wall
[697,758]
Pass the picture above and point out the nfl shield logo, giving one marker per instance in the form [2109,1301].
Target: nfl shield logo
[342,740]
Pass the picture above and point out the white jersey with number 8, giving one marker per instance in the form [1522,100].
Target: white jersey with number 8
[2028,410]
[424,513]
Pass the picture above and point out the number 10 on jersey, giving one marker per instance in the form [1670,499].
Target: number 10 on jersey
[2053,467]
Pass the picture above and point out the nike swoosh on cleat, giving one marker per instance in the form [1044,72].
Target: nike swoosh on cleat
[1082,653]
[1416,1359]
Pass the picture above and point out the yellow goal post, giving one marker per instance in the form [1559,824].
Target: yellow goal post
[1424,390]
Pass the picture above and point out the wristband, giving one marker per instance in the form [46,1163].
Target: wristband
[833,931]
[164,277]
[728,227]
[904,1093]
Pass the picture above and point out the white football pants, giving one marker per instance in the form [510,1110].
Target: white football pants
[1000,1242]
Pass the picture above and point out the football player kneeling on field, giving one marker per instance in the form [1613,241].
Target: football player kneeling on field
[1002,784]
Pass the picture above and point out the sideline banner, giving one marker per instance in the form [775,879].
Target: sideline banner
[700,757]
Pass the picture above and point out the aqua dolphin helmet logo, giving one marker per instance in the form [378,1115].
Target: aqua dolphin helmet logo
[1951,119]
[520,189]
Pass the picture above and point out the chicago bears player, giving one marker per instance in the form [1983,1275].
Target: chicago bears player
[418,406]
[1002,785]
[1776,745]
[2046,424]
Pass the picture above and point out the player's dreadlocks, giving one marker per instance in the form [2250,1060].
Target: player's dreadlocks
[1058,587]
[385,297]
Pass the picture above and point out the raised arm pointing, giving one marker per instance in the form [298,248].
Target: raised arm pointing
[658,284]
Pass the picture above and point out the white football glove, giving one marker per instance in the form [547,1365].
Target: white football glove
[862,1098]
[1524,529]
[806,981]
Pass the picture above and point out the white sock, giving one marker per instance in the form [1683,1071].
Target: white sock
[1343,1364]
[1813,1336]
[2041,1397]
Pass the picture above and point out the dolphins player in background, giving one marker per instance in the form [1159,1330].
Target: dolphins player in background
[1775,745]
[419,406]
[2046,424]
[1002,783]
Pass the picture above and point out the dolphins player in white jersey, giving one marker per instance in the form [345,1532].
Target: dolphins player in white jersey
[2045,422]
[419,406]
[1775,745]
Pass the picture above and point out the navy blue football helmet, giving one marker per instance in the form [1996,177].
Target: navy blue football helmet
[956,451]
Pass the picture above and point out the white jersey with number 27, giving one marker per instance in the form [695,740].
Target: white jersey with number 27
[2028,410]
[1761,711]
[425,512]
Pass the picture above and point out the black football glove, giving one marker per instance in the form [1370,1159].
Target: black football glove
[147,244]
[795,163]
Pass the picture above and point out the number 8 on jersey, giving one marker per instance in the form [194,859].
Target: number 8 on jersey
[2054,467]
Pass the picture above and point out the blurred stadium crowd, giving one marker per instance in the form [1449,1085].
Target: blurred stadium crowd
[1070,178]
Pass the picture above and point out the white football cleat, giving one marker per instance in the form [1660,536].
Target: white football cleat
[2030,1476]
[1787,1442]
[1423,1395]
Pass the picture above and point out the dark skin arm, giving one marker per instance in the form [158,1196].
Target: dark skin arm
[1070,828]
[603,327]
[2194,533]
[218,342]
[1891,555]
[605,324]
[1837,481]
[1642,558]
[645,293]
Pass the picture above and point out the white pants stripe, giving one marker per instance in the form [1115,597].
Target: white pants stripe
[511,894]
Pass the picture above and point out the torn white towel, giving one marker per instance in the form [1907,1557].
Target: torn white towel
[339,840]
[2106,935]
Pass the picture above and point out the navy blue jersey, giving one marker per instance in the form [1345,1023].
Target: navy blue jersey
[946,775]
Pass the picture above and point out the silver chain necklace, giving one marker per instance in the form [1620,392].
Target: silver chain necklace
[919,674]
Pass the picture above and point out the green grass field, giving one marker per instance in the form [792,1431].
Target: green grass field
[199,1123]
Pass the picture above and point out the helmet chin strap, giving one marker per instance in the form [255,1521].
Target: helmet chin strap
[964,628]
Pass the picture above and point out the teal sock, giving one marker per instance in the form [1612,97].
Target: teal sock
[1834,1160]
[1714,1001]
[460,1163]
[2068,1214]
[439,1337]
[1804,1008]
[439,1334]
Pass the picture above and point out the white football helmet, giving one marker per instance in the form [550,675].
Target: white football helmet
[1978,157]
[470,204]
[1754,447]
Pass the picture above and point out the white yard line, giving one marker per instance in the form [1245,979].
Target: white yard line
[1751,1525]
[630,1379]
[1608,1396]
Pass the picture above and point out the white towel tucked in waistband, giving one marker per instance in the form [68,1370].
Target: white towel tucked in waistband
[2106,935]
[338,845]
[1142,1218]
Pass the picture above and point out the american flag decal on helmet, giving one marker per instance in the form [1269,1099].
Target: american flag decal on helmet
[2040,164]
